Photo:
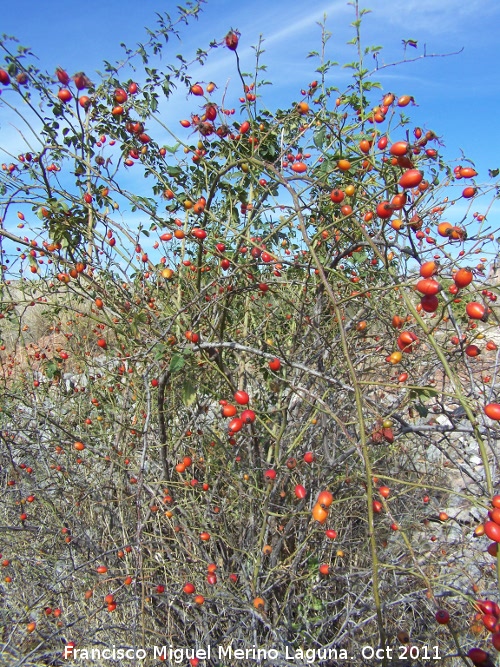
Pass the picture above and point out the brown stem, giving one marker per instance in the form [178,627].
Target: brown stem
[164,378]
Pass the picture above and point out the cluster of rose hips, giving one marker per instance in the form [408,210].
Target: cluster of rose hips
[489,614]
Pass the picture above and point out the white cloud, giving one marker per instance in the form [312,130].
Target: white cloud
[301,22]
[433,16]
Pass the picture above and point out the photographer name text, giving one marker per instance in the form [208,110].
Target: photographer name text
[178,655]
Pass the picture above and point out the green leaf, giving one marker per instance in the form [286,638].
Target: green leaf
[359,257]
[319,137]
[422,410]
[160,351]
[188,393]
[174,171]
[423,393]
[51,370]
[176,363]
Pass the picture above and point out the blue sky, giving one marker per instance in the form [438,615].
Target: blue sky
[457,96]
